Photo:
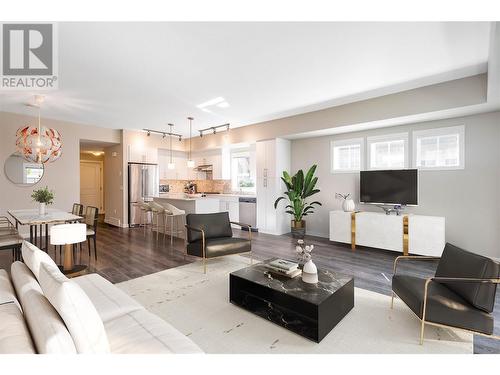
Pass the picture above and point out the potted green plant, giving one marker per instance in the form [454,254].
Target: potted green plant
[43,196]
[299,189]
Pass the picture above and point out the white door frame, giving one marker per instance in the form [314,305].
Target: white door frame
[101,181]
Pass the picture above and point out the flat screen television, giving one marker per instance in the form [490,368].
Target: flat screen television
[389,187]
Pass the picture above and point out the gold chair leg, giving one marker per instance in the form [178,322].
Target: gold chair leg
[251,258]
[205,266]
[392,300]
[422,328]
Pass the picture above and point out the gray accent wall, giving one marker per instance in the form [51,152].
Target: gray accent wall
[468,198]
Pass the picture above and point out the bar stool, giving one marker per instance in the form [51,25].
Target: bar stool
[145,210]
[158,210]
[174,214]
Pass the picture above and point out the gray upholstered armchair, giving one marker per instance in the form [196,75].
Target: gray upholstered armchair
[461,295]
[211,236]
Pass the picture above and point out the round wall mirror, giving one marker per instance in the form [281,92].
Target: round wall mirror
[22,172]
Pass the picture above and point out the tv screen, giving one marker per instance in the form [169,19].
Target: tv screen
[389,187]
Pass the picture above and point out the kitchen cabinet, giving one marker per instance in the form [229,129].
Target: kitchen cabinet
[273,157]
[231,205]
[138,154]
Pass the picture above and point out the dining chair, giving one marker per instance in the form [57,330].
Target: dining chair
[91,218]
[78,211]
[10,238]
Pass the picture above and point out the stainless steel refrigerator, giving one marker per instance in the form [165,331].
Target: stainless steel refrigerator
[143,184]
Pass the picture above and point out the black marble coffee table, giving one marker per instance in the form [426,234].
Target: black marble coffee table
[310,310]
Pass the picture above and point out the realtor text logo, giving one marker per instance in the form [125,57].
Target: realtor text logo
[29,58]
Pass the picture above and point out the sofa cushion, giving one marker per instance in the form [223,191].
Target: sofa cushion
[33,257]
[76,309]
[143,332]
[216,247]
[7,293]
[109,301]
[443,305]
[48,331]
[15,337]
[214,225]
[456,262]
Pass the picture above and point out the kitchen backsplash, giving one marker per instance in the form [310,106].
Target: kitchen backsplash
[208,186]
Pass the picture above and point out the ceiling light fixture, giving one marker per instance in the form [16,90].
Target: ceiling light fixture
[190,162]
[164,134]
[223,104]
[38,144]
[171,165]
[211,102]
[213,129]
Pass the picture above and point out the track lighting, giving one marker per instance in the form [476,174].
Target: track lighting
[213,129]
[164,134]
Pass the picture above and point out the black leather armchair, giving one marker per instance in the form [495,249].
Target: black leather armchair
[211,236]
[461,295]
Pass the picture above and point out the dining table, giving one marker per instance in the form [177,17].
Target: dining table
[38,223]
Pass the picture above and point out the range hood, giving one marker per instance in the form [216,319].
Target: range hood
[204,168]
[207,169]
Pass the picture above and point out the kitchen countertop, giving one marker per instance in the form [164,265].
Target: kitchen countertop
[179,196]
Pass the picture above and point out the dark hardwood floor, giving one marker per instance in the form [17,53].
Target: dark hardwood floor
[124,254]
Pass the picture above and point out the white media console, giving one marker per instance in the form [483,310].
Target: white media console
[414,234]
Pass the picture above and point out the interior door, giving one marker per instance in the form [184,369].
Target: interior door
[91,184]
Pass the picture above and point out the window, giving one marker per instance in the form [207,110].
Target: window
[347,155]
[441,148]
[241,172]
[32,173]
[388,151]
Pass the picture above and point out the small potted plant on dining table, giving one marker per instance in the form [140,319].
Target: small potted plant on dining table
[43,196]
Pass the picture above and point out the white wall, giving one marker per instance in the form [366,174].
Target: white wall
[468,199]
[62,176]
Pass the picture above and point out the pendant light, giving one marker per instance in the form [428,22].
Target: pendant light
[171,164]
[190,162]
[38,144]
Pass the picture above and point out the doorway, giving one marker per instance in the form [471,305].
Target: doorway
[91,184]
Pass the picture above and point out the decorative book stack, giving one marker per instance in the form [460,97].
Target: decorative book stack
[284,268]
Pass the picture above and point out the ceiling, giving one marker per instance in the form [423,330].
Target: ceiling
[145,75]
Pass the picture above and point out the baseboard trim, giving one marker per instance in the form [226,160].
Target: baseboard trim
[113,221]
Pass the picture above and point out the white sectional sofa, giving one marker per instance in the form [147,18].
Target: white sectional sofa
[42,311]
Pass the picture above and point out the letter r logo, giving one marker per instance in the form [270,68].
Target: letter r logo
[27,49]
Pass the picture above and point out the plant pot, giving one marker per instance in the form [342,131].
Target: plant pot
[348,205]
[298,228]
[41,209]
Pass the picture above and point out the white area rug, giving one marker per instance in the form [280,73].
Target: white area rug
[198,306]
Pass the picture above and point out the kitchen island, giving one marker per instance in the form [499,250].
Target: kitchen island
[192,205]
[189,204]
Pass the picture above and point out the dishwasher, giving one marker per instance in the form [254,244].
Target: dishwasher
[248,212]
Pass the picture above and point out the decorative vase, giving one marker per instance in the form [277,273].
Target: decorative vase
[298,229]
[310,272]
[41,209]
[348,205]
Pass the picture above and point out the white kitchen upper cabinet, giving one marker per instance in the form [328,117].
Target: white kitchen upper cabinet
[137,154]
[273,157]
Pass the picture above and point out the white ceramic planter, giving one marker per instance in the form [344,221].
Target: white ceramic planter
[42,209]
[348,205]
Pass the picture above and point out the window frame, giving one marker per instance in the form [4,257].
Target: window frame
[242,154]
[347,142]
[435,132]
[387,138]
